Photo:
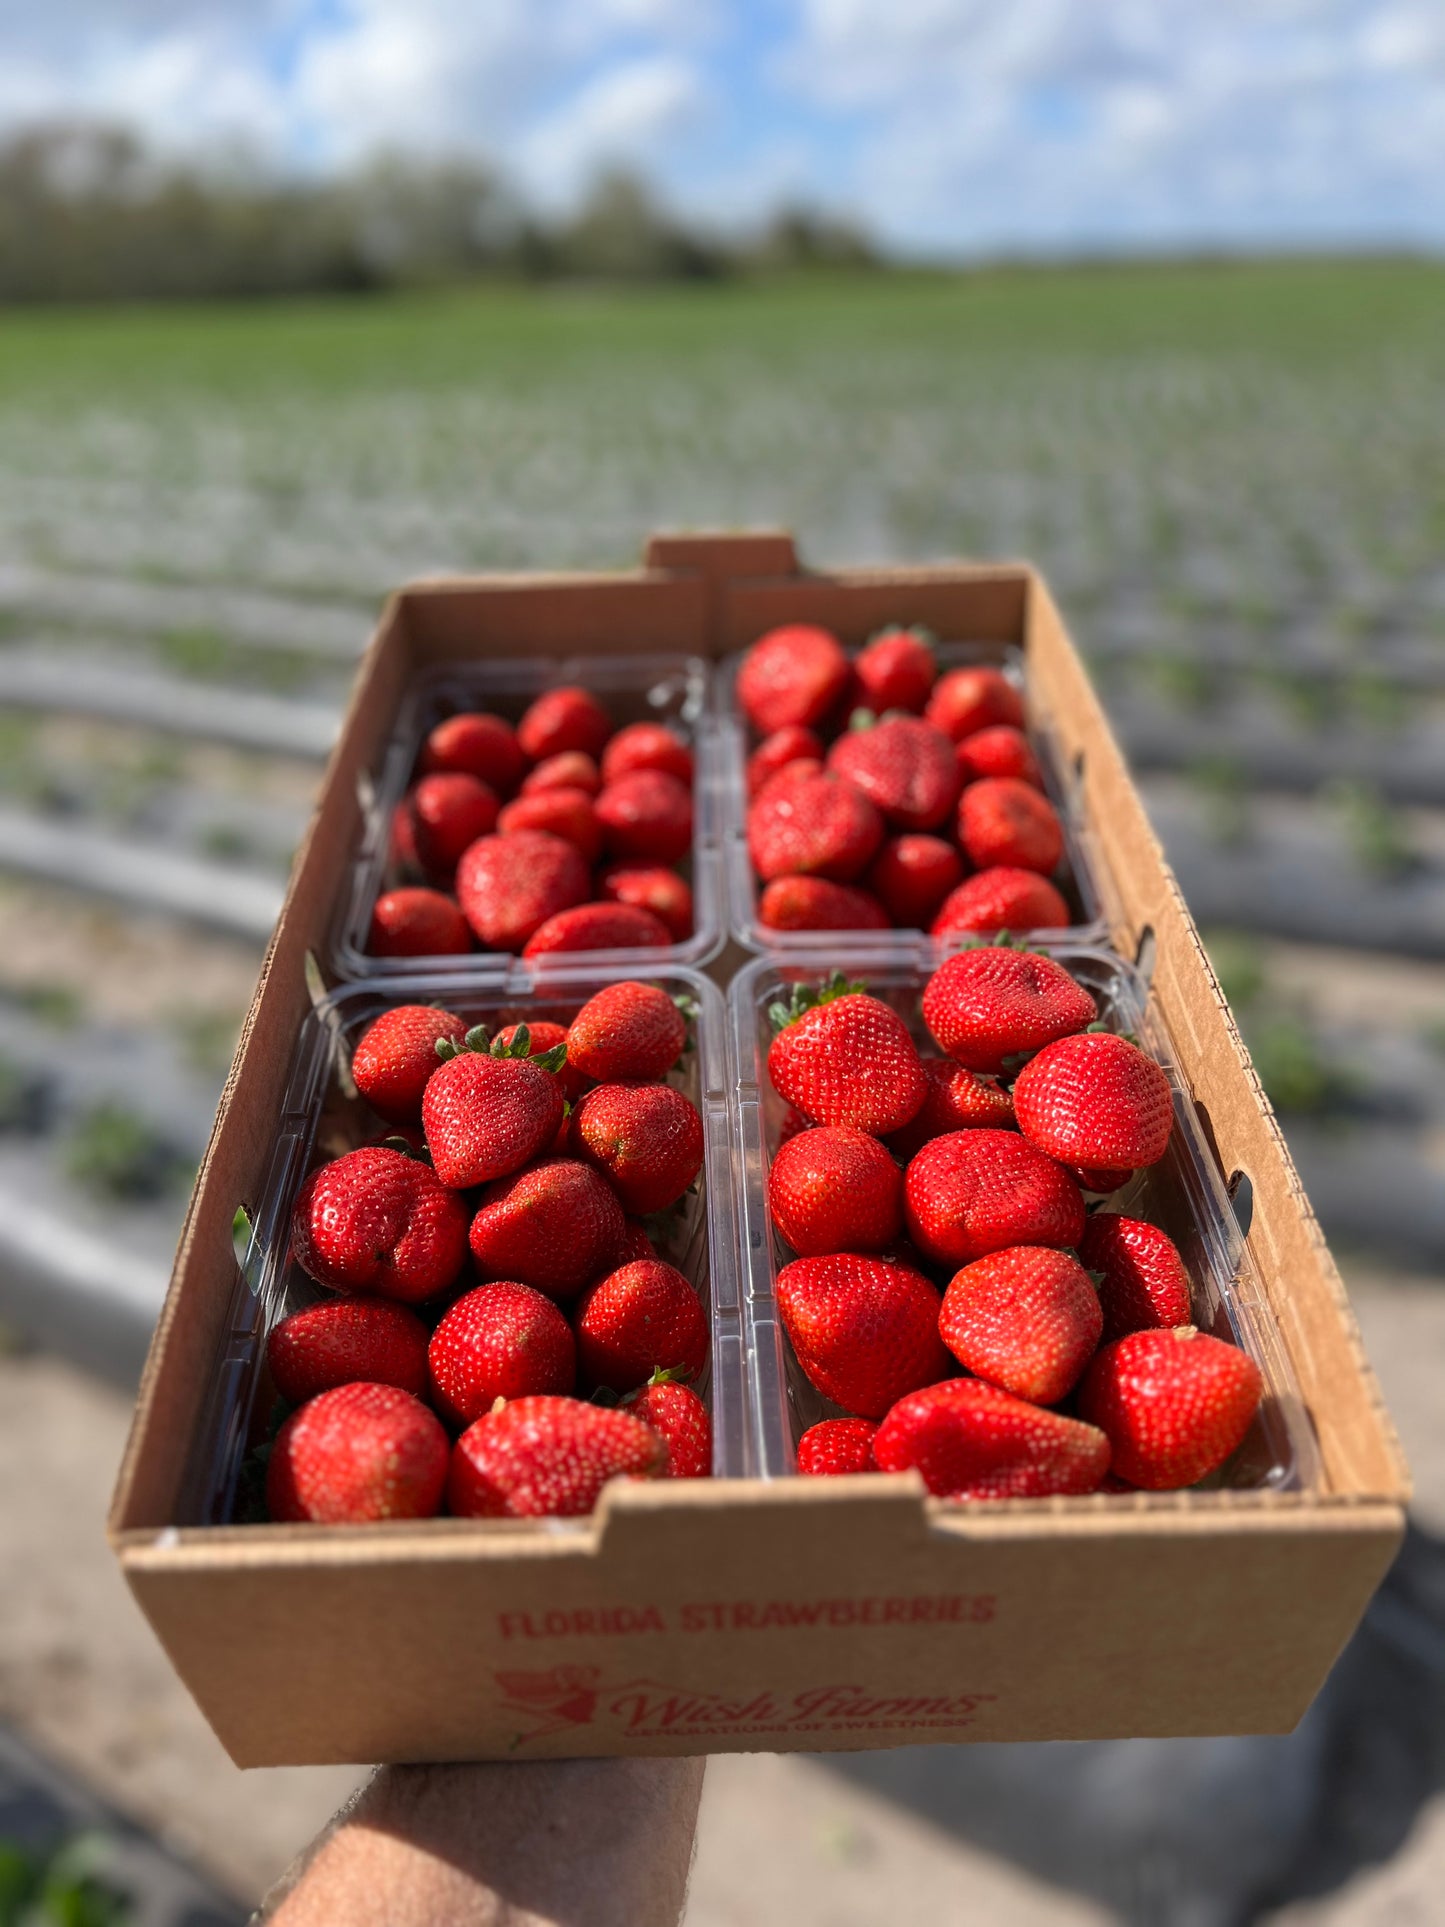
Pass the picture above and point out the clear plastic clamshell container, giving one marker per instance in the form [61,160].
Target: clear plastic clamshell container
[322,1116]
[1184,1194]
[675,690]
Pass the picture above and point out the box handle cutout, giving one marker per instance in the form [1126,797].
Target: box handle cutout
[241,1233]
[1241,1196]
[1144,953]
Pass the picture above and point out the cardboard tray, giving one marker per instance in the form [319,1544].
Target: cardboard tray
[749,1613]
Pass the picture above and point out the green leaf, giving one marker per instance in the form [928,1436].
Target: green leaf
[803,999]
[551,1060]
[447,1048]
[477,1038]
[862,719]
[407,1149]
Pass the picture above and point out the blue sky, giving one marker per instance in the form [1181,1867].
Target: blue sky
[957,126]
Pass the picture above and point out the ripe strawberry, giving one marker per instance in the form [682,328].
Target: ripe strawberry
[896,670]
[972,1441]
[1144,1284]
[911,876]
[401,839]
[1174,1404]
[599,926]
[984,1006]
[845,1058]
[833,1189]
[1000,750]
[563,719]
[647,746]
[865,1331]
[793,1121]
[957,1100]
[641,1318]
[355,1454]
[835,1447]
[488,1112]
[678,1415]
[413,922]
[553,1226]
[791,745]
[567,813]
[548,1458]
[966,700]
[814,825]
[646,1139]
[1026,1319]
[995,901]
[1095,1100]
[903,765]
[509,886]
[972,1192]
[646,817]
[796,674]
[397,1054]
[573,769]
[541,1041]
[1003,821]
[663,892]
[812,903]
[627,1033]
[476,744]
[345,1339]
[1102,1183]
[378,1221]
[448,811]
[635,1243]
[501,1341]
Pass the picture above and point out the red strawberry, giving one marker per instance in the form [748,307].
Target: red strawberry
[791,745]
[678,1415]
[864,1331]
[642,1318]
[911,875]
[1004,822]
[449,811]
[563,719]
[647,746]
[379,1221]
[1095,1100]
[663,892]
[573,769]
[896,670]
[501,1341]
[984,1006]
[957,1100]
[796,674]
[477,744]
[412,922]
[396,1056]
[599,926]
[833,1189]
[567,813]
[401,841]
[972,1192]
[627,1033]
[355,1454]
[548,1457]
[999,751]
[1144,1283]
[1103,1183]
[1174,1404]
[552,1226]
[995,901]
[972,1441]
[966,700]
[345,1339]
[509,886]
[487,1113]
[793,1121]
[635,1243]
[903,765]
[845,1058]
[835,1447]
[812,903]
[541,1040]
[646,817]
[1026,1319]
[645,1139]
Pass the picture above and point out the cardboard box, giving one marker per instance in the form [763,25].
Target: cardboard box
[747,1614]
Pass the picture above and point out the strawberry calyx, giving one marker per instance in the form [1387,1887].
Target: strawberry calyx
[417,1153]
[480,1040]
[802,999]
[1005,940]
[920,631]
[862,718]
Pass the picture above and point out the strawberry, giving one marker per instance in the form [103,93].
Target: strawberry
[540,1040]
[911,876]
[487,1112]
[379,1221]
[628,1033]
[476,744]
[548,1457]
[449,811]
[401,839]
[345,1339]
[503,1340]
[1004,822]
[796,674]
[553,1225]
[1000,750]
[986,1005]
[647,746]
[412,922]
[833,1189]
[812,903]
[664,893]
[835,1447]
[966,700]
[646,817]
[903,765]
[1143,1283]
[804,823]
[1027,1319]
[957,1100]
[599,926]
[972,1441]
[865,1331]
[563,719]
[1174,1404]
[573,769]
[645,1139]
[845,1058]
[896,670]
[793,1121]
[397,1054]
[678,1415]
[635,1243]
[641,1318]
[1095,1100]
[1102,1183]
[972,1192]
[567,813]
[355,1454]
[791,745]
[995,901]
[508,886]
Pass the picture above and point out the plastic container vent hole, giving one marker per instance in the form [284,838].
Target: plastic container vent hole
[1241,1196]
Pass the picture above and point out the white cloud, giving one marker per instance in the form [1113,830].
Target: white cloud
[631,113]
